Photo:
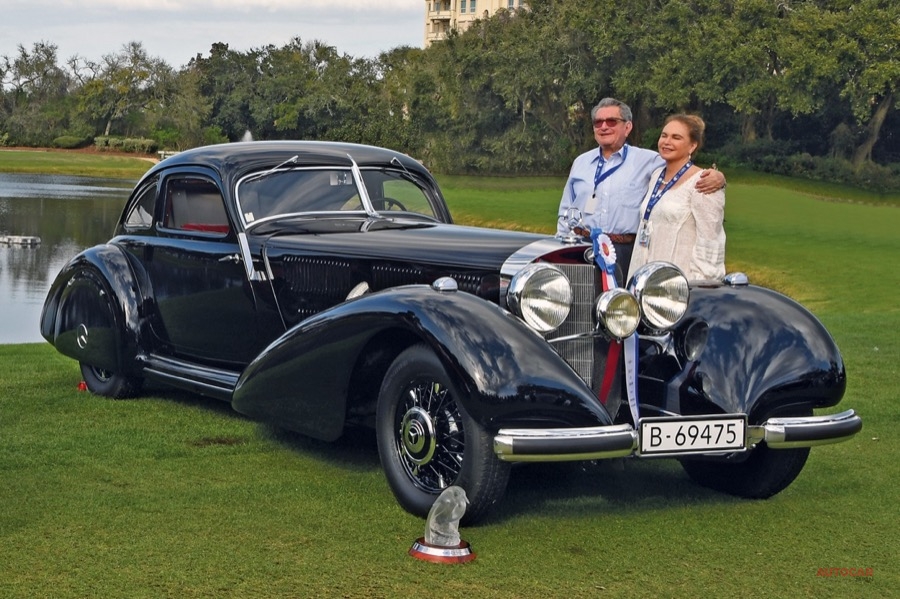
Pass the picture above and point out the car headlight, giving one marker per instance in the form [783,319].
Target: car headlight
[540,294]
[618,312]
[662,291]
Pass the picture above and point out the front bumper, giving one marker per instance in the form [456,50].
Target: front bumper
[621,440]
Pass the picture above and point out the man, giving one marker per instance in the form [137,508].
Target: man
[608,186]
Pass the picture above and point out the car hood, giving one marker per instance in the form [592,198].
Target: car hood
[408,241]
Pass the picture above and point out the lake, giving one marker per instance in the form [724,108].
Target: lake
[69,214]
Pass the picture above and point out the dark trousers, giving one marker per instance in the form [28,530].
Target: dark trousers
[623,261]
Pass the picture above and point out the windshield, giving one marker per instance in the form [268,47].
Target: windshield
[299,191]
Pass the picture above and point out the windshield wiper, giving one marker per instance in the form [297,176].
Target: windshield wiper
[263,175]
[409,176]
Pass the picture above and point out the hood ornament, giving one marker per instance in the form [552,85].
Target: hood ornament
[573,220]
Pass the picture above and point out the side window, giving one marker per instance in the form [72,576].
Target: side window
[404,195]
[194,204]
[141,214]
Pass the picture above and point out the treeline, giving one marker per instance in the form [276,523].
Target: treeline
[801,87]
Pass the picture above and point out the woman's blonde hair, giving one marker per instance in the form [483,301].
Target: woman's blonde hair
[695,125]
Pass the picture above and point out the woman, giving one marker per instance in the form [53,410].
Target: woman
[679,224]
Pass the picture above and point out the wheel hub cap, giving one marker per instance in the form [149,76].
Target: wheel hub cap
[417,436]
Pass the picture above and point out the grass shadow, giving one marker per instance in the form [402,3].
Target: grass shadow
[602,487]
[356,449]
[588,489]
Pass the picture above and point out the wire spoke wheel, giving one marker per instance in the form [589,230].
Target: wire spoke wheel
[427,442]
[430,437]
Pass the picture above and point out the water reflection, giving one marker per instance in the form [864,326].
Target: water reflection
[68,214]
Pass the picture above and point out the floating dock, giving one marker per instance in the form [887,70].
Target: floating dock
[20,240]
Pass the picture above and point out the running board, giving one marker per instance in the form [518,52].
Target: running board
[205,380]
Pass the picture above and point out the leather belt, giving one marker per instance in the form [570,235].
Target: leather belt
[623,238]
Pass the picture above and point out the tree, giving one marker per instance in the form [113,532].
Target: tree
[120,87]
[34,89]
[228,79]
[872,35]
[302,89]
[180,116]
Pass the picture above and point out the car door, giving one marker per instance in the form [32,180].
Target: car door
[205,305]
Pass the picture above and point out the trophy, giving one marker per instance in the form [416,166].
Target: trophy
[441,543]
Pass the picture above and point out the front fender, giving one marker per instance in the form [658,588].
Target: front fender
[92,311]
[504,371]
[765,354]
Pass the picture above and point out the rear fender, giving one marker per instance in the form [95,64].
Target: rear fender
[92,311]
[504,372]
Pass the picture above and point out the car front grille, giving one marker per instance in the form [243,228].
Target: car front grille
[580,353]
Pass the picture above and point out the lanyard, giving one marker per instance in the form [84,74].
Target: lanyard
[600,177]
[657,194]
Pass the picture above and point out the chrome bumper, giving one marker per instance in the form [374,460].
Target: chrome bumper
[621,440]
[805,431]
[563,444]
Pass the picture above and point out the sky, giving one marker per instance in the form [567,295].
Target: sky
[178,30]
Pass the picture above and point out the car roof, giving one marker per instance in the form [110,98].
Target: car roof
[233,160]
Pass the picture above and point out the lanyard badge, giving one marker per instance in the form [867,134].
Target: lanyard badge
[643,235]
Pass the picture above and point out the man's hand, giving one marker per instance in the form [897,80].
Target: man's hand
[710,181]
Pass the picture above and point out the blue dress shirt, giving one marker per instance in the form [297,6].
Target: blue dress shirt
[616,203]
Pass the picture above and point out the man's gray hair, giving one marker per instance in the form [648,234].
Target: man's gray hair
[624,110]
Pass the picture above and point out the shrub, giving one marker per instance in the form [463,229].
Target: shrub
[70,142]
[781,158]
[139,145]
[214,135]
[877,178]
[166,137]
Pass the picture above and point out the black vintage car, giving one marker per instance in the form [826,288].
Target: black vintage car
[320,286]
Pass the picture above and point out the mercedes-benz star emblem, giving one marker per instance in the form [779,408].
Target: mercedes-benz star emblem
[81,338]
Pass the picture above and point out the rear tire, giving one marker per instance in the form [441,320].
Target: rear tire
[427,442]
[109,384]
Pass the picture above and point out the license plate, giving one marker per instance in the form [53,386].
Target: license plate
[693,434]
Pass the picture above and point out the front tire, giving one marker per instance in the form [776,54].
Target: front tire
[109,384]
[427,442]
[763,474]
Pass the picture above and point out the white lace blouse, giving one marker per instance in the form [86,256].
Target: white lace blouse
[686,228]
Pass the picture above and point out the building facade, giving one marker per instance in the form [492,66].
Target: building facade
[442,16]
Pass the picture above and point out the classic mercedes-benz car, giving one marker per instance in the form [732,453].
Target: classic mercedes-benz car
[320,286]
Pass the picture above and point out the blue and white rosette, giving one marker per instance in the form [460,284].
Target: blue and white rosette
[605,257]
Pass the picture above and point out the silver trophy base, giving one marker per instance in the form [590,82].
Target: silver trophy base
[457,554]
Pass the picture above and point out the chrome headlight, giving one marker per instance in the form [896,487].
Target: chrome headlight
[618,312]
[662,291]
[540,294]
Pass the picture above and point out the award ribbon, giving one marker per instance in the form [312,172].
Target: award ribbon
[605,257]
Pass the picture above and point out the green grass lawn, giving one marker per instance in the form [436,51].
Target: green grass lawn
[174,495]
[52,162]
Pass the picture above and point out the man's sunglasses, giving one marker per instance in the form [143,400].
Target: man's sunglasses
[608,122]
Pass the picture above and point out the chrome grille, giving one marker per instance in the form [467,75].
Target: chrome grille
[579,353]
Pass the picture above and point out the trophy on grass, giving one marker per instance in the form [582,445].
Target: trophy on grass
[441,543]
